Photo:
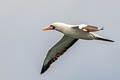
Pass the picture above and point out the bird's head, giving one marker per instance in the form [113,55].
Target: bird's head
[56,26]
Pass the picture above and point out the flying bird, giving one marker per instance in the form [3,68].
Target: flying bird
[71,35]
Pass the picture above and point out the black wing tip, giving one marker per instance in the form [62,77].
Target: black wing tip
[42,72]
[44,68]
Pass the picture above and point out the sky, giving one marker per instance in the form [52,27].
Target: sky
[23,46]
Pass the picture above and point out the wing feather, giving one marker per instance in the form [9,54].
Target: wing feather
[87,28]
[90,28]
[57,50]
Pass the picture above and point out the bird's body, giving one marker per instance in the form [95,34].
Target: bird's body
[77,33]
[71,34]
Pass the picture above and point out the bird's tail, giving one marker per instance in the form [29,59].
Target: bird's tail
[103,39]
[97,37]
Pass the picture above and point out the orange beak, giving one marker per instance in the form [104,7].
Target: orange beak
[47,28]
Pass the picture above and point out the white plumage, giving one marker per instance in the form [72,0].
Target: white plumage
[71,34]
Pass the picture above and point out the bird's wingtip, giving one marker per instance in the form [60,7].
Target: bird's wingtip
[102,28]
[44,68]
[42,72]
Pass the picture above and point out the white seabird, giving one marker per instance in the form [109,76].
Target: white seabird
[71,34]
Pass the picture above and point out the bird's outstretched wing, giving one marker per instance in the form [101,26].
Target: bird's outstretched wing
[57,50]
[90,28]
[87,28]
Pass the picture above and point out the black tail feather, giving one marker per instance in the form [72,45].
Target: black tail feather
[103,39]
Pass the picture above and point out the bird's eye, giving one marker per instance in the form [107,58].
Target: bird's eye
[52,26]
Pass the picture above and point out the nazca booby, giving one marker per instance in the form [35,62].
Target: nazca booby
[71,34]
